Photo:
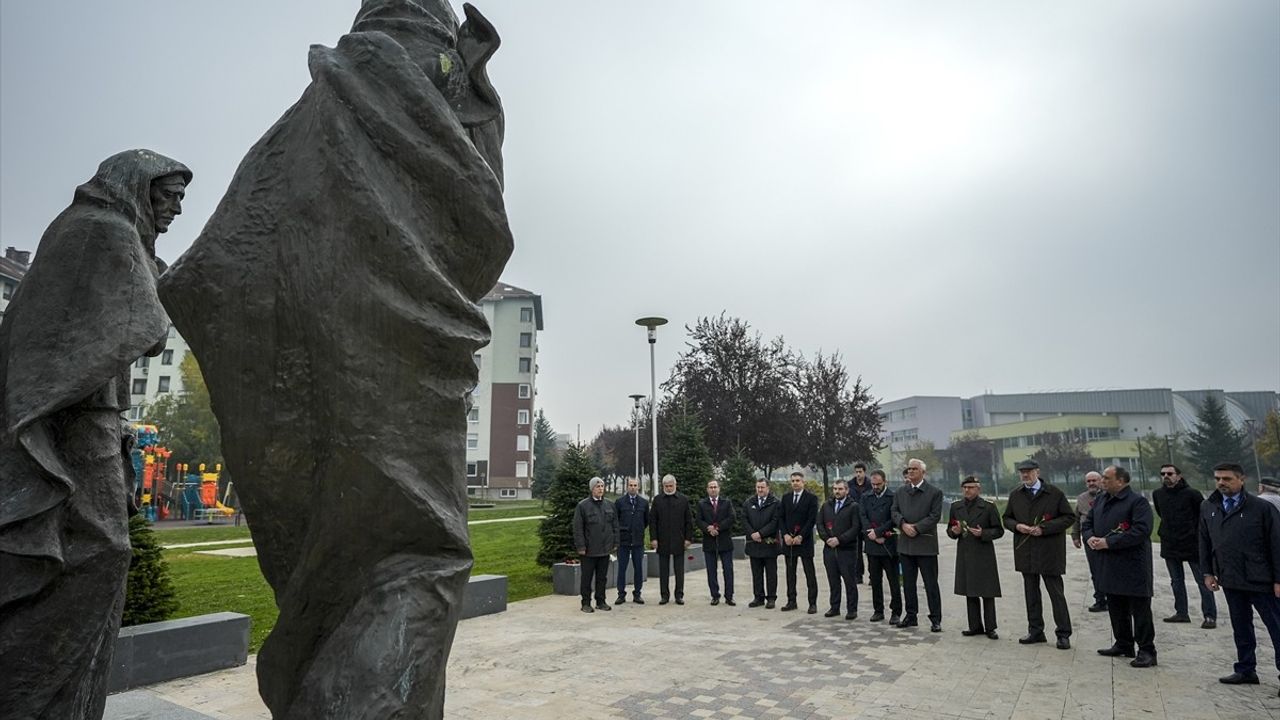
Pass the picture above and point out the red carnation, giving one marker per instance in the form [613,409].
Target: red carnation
[1046,517]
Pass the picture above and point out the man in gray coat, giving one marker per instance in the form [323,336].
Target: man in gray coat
[595,535]
[917,508]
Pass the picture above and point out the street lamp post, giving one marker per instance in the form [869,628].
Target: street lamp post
[1253,443]
[651,324]
[635,423]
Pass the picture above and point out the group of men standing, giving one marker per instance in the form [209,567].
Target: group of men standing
[1230,541]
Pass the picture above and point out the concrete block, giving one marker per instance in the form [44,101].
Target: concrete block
[156,652]
[485,595]
[566,579]
[739,547]
[693,560]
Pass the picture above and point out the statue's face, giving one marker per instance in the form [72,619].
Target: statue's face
[166,200]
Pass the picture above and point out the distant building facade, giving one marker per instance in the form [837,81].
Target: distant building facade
[13,266]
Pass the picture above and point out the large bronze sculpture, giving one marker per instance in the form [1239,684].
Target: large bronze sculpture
[332,301]
[86,310]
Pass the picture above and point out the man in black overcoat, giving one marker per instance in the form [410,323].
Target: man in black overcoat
[670,533]
[1119,528]
[1039,516]
[1178,505]
[840,529]
[799,515]
[974,523]
[716,519]
[876,510]
[760,525]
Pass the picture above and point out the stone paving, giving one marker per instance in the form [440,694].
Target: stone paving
[543,659]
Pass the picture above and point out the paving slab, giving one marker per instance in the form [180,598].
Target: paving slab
[543,658]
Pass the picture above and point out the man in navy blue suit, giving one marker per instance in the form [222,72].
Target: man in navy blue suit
[799,515]
[633,518]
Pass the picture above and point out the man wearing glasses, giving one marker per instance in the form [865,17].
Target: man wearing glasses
[1039,516]
[1178,506]
[917,508]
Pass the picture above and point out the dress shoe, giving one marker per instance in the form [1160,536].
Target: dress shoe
[1177,619]
[1064,643]
[1209,624]
[971,633]
[935,627]
[894,620]
[1144,660]
[638,600]
[909,623]
[588,608]
[729,602]
[1032,639]
[679,601]
[715,601]
[664,601]
[993,635]
[877,617]
[1098,607]
[813,609]
[831,613]
[789,607]
[1239,679]
[603,606]
[769,605]
[755,603]
[1116,651]
[851,616]
[620,600]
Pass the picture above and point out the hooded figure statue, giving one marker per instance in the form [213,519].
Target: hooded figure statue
[332,301]
[85,311]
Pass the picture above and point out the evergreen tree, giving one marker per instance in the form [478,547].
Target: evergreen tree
[544,456]
[149,594]
[1214,440]
[567,489]
[739,481]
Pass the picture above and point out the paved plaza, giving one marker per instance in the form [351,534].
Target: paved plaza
[543,659]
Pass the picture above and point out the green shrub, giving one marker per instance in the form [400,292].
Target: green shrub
[149,594]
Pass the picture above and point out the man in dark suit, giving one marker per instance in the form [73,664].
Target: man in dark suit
[799,515]
[1039,516]
[876,509]
[670,533]
[1240,553]
[917,508]
[1178,507]
[840,528]
[715,519]
[760,525]
[633,518]
[1119,529]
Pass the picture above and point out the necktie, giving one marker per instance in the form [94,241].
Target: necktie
[1229,504]
[713,506]
[839,504]
[633,502]
[1030,491]
[759,503]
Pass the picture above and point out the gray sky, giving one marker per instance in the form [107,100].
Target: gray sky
[959,197]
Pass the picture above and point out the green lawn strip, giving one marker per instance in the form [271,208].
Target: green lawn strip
[522,508]
[212,533]
[209,584]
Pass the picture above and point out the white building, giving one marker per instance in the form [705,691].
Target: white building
[151,378]
[13,266]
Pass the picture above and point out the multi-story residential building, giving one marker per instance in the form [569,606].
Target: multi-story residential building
[151,378]
[13,266]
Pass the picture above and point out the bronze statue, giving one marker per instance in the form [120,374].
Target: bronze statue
[332,301]
[84,312]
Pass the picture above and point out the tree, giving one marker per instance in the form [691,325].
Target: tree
[1214,440]
[149,595]
[1156,450]
[1268,444]
[972,454]
[1061,454]
[840,424]
[187,425]
[738,482]
[686,457]
[567,489]
[544,456]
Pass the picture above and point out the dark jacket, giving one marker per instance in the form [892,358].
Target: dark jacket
[877,516]
[1179,511]
[1084,503]
[922,508]
[799,518]
[1124,568]
[845,526]
[977,574]
[1045,554]
[595,527]
[670,522]
[723,518]
[761,516]
[633,518]
[1241,548]
[856,491]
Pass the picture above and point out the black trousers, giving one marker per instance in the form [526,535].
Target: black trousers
[879,569]
[796,555]
[927,567]
[978,609]
[723,558]
[1131,622]
[764,578]
[594,572]
[1035,606]
[664,573]
[842,567]
[1099,597]
[1241,604]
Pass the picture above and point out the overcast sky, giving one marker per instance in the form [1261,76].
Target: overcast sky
[958,197]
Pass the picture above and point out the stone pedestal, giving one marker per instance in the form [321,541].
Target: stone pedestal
[693,560]
[739,547]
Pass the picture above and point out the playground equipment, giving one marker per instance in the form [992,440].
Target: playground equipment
[190,495]
[150,461]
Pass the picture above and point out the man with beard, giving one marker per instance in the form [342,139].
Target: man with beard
[1039,515]
[1119,528]
[633,518]
[670,533]
[1178,506]
[760,525]
[876,509]
[1084,503]
[840,528]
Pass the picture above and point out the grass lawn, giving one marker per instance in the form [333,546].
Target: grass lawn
[208,584]
[506,509]
[208,533]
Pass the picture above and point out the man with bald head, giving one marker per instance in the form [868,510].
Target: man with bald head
[1084,503]
[670,533]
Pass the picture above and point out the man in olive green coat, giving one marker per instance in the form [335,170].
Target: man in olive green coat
[974,524]
[1039,515]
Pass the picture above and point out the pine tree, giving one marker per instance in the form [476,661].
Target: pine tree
[739,482]
[149,594]
[687,458]
[544,456]
[567,489]
[1214,440]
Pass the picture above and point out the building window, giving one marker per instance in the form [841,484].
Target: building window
[163,385]
[140,386]
[135,412]
[476,357]
[507,493]
[522,417]
[526,339]
[8,293]
[526,314]
[522,469]
[526,365]
[473,415]
[173,331]
[473,441]
[522,443]
[142,362]
[523,392]
[166,357]
[473,469]
[471,491]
